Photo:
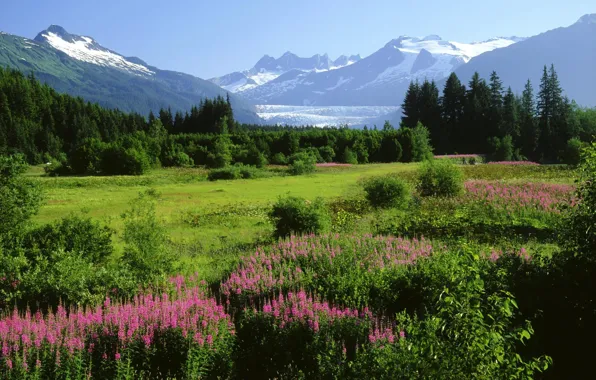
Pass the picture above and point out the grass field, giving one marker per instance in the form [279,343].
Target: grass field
[191,207]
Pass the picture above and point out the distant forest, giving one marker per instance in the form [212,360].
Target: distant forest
[79,137]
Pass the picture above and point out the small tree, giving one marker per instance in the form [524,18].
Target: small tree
[440,178]
[293,215]
[302,163]
[421,148]
[145,237]
[386,192]
[349,157]
[19,198]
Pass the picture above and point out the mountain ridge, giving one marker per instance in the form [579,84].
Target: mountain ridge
[80,66]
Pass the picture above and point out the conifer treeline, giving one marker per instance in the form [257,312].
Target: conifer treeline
[83,138]
[484,117]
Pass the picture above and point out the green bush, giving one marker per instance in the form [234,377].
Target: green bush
[279,159]
[572,155]
[89,239]
[440,178]
[19,197]
[237,171]
[293,215]
[327,153]
[146,252]
[302,163]
[349,157]
[227,173]
[387,192]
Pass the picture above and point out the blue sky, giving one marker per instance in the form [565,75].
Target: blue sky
[210,38]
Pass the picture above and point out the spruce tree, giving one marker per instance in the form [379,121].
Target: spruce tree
[528,123]
[544,109]
[477,108]
[430,110]
[410,106]
[510,122]
[496,127]
[452,111]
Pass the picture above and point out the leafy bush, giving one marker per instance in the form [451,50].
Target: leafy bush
[146,240]
[116,160]
[349,157]
[293,215]
[279,159]
[387,192]
[89,239]
[327,153]
[227,173]
[19,197]
[573,152]
[302,163]
[235,172]
[440,178]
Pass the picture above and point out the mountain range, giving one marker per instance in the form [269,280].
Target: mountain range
[376,80]
[316,90]
[80,66]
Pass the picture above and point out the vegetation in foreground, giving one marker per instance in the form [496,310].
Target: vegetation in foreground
[474,287]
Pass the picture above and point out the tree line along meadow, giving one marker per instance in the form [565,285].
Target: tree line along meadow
[85,139]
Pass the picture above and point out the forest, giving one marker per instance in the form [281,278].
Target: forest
[78,137]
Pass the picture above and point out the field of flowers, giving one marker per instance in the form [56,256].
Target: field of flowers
[273,308]
[424,288]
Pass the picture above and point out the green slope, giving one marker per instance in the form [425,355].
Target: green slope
[111,87]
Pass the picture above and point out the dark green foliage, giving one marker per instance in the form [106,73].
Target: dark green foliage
[293,215]
[573,152]
[302,163]
[387,192]
[89,239]
[19,198]
[279,159]
[440,178]
[349,157]
[237,171]
[146,252]
[502,148]
[473,119]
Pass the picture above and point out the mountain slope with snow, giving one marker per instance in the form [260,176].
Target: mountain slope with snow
[268,69]
[80,66]
[571,49]
[377,80]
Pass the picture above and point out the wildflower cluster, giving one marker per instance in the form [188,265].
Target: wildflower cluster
[286,264]
[539,196]
[526,163]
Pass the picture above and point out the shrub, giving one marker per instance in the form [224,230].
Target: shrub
[297,215]
[145,237]
[573,150]
[327,153]
[19,198]
[440,178]
[116,160]
[279,159]
[227,173]
[421,147]
[349,157]
[72,234]
[302,163]
[235,172]
[386,192]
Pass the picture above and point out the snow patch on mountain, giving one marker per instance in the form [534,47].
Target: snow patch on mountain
[86,49]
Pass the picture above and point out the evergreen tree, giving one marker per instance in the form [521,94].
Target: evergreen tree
[510,122]
[452,111]
[430,110]
[411,106]
[477,111]
[495,126]
[528,125]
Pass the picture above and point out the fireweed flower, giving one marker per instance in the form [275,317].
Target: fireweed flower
[286,264]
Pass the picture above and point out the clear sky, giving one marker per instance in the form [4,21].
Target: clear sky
[211,38]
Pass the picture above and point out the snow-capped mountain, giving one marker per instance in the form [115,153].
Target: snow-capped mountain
[571,49]
[377,80]
[80,66]
[269,68]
